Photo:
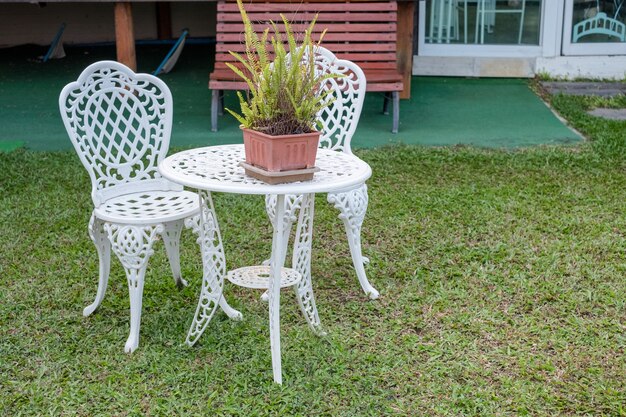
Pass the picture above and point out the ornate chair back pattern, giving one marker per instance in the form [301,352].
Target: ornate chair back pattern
[340,119]
[120,124]
[600,24]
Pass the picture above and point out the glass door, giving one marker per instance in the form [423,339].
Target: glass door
[491,22]
[595,27]
[480,27]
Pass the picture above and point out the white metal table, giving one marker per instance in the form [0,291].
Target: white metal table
[216,168]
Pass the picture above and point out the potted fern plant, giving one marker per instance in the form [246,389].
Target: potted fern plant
[278,115]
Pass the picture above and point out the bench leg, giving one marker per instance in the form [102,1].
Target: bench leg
[386,98]
[396,111]
[220,109]
[214,109]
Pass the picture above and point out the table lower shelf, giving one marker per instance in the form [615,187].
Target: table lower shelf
[258,277]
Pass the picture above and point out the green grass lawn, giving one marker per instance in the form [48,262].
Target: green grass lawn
[502,275]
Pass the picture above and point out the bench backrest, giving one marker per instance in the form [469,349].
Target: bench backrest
[361,31]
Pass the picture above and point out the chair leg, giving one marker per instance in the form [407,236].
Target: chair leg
[478,24]
[465,21]
[214,109]
[133,247]
[352,206]
[171,239]
[103,246]
[521,23]
[230,312]
[213,269]
[302,263]
[386,99]
[396,111]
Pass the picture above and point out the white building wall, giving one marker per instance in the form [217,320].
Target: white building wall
[573,67]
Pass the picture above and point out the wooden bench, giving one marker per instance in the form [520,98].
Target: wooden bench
[362,31]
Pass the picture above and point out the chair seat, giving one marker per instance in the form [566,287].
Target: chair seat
[149,207]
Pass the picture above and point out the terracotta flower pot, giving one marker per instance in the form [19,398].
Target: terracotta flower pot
[280,153]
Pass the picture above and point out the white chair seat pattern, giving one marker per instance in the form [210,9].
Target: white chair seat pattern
[150,207]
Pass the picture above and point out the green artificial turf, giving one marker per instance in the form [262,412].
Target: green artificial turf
[10,145]
[491,113]
[502,294]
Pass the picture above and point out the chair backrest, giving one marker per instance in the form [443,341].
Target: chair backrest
[599,24]
[120,124]
[341,118]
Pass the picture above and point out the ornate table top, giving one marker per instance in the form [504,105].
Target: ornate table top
[216,168]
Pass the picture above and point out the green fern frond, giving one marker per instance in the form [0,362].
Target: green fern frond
[285,94]
[241,75]
[240,119]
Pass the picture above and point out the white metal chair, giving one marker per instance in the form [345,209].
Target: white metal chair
[339,122]
[485,17]
[120,123]
[444,21]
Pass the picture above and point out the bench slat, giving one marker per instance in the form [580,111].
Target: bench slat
[371,86]
[375,75]
[307,17]
[349,37]
[372,7]
[333,46]
[390,66]
[356,57]
[329,27]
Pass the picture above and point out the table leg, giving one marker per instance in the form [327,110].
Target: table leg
[293,202]
[292,205]
[213,269]
[276,265]
[302,263]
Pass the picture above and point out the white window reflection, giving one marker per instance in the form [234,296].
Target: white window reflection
[599,21]
[495,22]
